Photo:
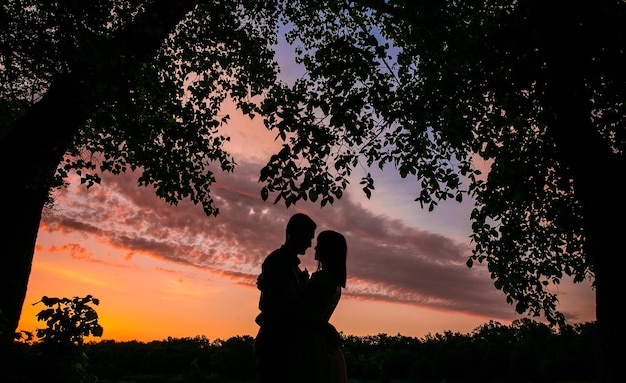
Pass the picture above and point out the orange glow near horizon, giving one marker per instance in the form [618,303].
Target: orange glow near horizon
[144,303]
[146,300]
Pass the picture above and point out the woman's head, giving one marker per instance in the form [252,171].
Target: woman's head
[331,251]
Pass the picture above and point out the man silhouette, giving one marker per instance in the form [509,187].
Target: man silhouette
[284,315]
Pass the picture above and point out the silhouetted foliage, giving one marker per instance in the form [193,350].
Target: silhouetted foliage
[525,351]
[57,355]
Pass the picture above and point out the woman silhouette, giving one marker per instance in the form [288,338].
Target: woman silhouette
[322,293]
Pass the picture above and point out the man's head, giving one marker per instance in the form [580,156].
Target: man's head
[300,232]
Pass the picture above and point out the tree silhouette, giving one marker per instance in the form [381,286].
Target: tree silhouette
[535,89]
[68,321]
[110,86]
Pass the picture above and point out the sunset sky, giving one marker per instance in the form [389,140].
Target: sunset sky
[162,270]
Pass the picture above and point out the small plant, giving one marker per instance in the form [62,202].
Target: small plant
[68,322]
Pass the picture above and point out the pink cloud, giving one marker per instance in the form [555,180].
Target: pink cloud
[388,260]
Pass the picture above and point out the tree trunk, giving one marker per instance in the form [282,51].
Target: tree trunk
[597,174]
[597,179]
[32,150]
[18,238]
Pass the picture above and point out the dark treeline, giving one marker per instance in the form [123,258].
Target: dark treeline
[525,351]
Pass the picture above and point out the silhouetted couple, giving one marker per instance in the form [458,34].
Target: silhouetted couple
[295,342]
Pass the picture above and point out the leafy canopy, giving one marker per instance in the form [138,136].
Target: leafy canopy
[434,89]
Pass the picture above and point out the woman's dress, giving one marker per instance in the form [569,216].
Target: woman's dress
[326,362]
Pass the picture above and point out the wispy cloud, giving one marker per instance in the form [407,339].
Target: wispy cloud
[388,260]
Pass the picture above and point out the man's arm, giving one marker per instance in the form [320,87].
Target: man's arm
[281,294]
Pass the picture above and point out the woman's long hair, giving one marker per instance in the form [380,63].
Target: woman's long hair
[333,250]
